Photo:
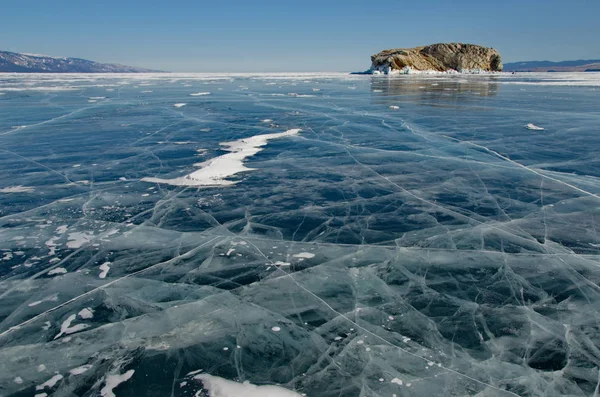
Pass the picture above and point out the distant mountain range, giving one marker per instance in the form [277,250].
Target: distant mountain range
[33,63]
[590,65]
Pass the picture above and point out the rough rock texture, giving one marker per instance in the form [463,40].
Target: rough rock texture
[439,57]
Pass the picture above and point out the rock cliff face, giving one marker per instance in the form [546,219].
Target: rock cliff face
[438,57]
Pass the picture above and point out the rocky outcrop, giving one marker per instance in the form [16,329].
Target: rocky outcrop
[441,57]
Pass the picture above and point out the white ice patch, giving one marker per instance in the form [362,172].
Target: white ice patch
[113,381]
[300,95]
[86,313]
[104,269]
[534,127]
[77,239]
[179,105]
[50,382]
[16,189]
[304,255]
[66,329]
[200,94]
[58,270]
[80,370]
[219,387]
[214,171]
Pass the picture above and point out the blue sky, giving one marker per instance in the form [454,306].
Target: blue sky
[300,35]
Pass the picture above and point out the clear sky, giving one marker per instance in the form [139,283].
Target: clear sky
[299,35]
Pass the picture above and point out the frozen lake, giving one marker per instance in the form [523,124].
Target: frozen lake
[311,234]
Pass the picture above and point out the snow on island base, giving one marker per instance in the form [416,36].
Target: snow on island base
[214,171]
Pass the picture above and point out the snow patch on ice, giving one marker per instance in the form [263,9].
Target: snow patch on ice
[113,381]
[77,239]
[80,370]
[50,382]
[219,387]
[214,171]
[66,329]
[86,313]
[304,255]
[104,269]
[16,189]
[534,127]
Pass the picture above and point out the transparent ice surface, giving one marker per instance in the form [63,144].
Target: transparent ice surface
[413,239]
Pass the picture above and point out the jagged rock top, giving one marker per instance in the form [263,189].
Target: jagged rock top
[438,57]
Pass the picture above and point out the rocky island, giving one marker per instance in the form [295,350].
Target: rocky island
[442,57]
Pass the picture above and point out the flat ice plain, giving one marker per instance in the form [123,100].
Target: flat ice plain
[299,234]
